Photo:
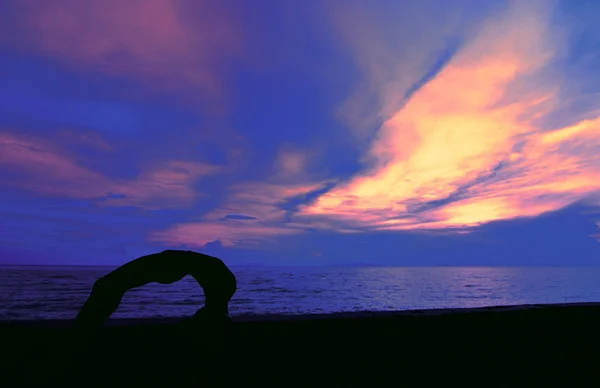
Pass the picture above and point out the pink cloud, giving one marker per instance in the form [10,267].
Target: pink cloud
[164,43]
[231,234]
[258,217]
[252,212]
[38,166]
[597,235]
[467,135]
[463,150]
[83,137]
[291,163]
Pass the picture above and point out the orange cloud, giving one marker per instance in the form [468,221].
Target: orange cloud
[465,148]
[37,166]
[462,151]
[396,44]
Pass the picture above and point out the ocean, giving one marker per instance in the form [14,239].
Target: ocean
[58,292]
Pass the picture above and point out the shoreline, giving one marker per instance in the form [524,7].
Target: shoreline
[343,315]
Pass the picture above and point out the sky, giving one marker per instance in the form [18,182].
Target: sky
[324,132]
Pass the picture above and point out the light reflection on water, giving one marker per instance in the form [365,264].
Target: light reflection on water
[58,292]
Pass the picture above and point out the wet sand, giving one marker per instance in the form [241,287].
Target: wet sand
[531,345]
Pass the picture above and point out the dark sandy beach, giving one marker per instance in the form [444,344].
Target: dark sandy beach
[532,345]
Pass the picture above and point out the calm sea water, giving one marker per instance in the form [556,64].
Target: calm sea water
[58,292]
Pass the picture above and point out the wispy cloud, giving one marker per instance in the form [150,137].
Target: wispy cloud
[38,166]
[461,121]
[396,46]
[467,148]
[252,213]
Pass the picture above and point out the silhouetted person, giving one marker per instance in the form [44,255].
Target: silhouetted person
[217,281]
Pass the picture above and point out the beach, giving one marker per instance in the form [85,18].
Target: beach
[546,343]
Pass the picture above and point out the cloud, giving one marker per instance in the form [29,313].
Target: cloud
[253,213]
[396,46]
[291,162]
[84,138]
[38,166]
[462,121]
[163,43]
[230,234]
[467,148]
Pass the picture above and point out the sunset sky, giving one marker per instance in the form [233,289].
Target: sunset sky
[421,132]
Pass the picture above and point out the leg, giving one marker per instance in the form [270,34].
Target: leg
[216,303]
[215,308]
[103,301]
[217,294]
[216,298]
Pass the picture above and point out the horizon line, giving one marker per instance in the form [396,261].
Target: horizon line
[325,266]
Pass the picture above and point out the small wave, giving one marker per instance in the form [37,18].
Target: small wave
[146,302]
[46,283]
[261,281]
[271,289]
[62,277]
[29,306]
[186,302]
[59,300]
[242,301]
[10,314]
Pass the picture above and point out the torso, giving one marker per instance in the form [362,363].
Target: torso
[209,271]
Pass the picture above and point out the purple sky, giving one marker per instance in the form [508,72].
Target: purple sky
[321,132]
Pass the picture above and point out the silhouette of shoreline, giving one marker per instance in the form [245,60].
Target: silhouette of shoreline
[66,323]
[505,342]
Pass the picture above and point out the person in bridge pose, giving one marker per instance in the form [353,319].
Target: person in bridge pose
[217,281]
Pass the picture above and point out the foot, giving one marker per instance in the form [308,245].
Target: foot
[208,316]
